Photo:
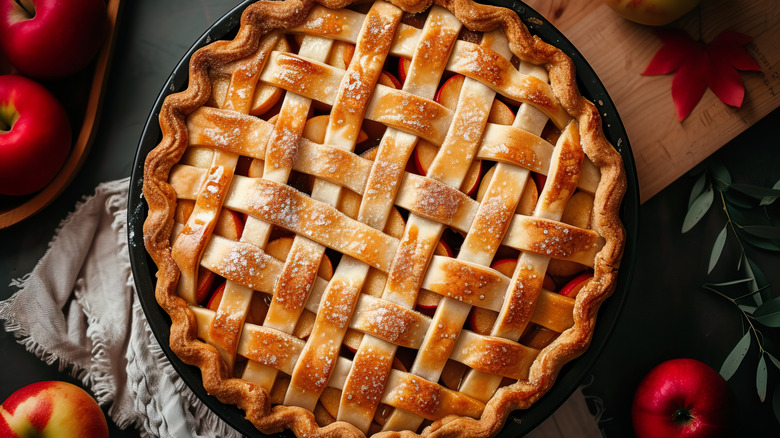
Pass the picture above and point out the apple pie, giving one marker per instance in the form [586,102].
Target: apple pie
[382,217]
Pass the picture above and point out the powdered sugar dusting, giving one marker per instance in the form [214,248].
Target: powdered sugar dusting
[245,264]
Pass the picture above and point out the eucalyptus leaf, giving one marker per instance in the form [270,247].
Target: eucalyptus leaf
[758,274]
[770,320]
[753,285]
[697,189]
[698,209]
[768,245]
[774,360]
[776,402]
[763,231]
[768,313]
[761,376]
[734,359]
[750,294]
[739,200]
[736,214]
[732,282]
[756,192]
[720,172]
[747,309]
[770,199]
[717,248]
[752,271]
[770,306]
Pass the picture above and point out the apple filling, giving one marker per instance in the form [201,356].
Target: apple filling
[559,288]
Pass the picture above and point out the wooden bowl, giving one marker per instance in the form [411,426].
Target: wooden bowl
[81,94]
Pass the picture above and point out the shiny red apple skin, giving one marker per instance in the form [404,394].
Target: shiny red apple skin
[52,409]
[60,39]
[682,385]
[38,143]
[572,288]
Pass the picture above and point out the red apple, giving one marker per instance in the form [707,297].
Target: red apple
[540,180]
[449,92]
[205,284]
[505,266]
[258,308]
[427,302]
[305,325]
[403,68]
[387,79]
[52,38]
[230,224]
[341,54]
[537,337]
[443,249]
[216,297]
[35,136]
[352,340]
[573,287]
[452,374]
[682,398]
[424,154]
[482,320]
[52,409]
[652,12]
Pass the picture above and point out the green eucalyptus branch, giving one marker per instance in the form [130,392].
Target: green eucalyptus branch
[737,202]
[745,315]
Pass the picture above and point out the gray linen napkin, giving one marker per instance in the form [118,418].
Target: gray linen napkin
[78,308]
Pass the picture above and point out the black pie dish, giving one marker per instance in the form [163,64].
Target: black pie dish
[572,374]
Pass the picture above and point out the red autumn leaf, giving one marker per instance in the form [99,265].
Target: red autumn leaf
[677,47]
[697,66]
[725,82]
[729,46]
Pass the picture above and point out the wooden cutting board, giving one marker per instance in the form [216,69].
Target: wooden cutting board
[619,50]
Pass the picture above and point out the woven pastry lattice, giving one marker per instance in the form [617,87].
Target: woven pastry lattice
[374,251]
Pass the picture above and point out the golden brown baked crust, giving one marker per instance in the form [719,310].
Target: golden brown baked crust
[264,17]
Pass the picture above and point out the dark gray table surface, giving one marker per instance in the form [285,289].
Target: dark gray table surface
[666,313]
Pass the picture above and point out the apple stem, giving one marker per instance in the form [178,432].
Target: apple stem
[30,13]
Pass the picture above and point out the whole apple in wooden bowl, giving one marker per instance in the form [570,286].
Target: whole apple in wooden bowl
[52,38]
[52,409]
[35,136]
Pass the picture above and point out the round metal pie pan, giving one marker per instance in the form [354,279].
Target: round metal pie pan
[570,377]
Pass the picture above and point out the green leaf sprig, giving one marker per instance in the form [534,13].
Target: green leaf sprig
[749,223]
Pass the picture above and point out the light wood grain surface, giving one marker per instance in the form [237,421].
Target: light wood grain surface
[572,419]
[619,50]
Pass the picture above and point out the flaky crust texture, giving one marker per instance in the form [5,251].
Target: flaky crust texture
[263,17]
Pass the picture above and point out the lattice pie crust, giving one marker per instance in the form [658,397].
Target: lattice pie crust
[363,287]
